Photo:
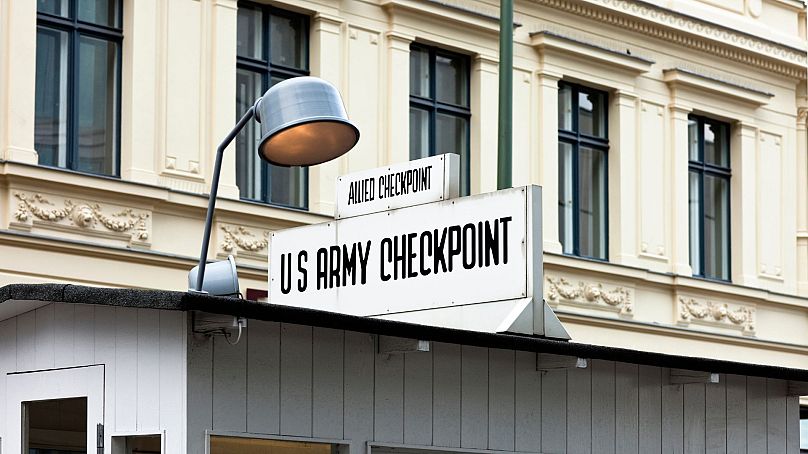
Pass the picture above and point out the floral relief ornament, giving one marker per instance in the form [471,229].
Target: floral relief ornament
[589,294]
[84,215]
[243,239]
[717,313]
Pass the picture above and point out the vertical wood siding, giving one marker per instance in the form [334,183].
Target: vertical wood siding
[313,382]
[143,352]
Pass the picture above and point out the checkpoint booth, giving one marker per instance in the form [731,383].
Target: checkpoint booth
[412,323]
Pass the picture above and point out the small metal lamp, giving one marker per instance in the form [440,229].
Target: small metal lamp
[303,123]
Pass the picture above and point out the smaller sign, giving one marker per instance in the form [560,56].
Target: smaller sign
[402,185]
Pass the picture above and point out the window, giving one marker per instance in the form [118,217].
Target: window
[220,444]
[708,143]
[582,179]
[272,45]
[439,106]
[78,74]
[56,426]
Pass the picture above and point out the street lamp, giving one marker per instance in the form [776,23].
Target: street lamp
[303,123]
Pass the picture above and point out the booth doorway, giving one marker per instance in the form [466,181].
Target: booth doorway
[57,411]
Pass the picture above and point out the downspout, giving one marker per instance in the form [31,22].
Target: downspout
[505,129]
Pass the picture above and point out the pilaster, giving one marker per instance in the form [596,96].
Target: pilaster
[17,80]
[548,150]
[485,82]
[326,63]
[802,201]
[398,79]
[680,214]
[743,192]
[222,91]
[623,179]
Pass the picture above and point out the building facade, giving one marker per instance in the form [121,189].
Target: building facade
[669,138]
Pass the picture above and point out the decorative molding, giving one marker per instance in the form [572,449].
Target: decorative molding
[589,294]
[239,240]
[724,315]
[641,17]
[465,12]
[561,42]
[82,216]
[678,77]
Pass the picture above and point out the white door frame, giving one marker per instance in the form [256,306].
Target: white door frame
[87,381]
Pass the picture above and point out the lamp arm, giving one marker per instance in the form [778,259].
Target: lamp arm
[214,189]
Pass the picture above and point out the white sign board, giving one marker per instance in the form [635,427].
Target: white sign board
[475,249]
[397,186]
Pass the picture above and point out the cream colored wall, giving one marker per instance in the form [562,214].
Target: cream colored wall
[659,60]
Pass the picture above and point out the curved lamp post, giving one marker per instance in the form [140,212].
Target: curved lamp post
[303,123]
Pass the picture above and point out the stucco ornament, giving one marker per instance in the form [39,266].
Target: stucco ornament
[85,216]
[241,238]
[589,294]
[717,314]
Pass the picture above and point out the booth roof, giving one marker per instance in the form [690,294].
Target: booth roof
[182,301]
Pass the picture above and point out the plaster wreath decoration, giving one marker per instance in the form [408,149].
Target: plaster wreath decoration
[590,294]
[717,313]
[238,236]
[84,215]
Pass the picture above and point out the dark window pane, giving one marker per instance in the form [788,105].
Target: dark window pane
[99,12]
[287,185]
[716,146]
[592,202]
[565,108]
[592,114]
[419,72]
[693,139]
[97,105]
[248,164]
[451,136]
[55,7]
[452,79]
[250,33]
[287,42]
[716,227]
[565,195]
[50,133]
[694,203]
[419,133]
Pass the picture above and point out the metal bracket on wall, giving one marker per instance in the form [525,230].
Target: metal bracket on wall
[548,361]
[389,345]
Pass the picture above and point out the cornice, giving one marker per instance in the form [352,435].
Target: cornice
[684,77]
[548,40]
[641,17]
[479,17]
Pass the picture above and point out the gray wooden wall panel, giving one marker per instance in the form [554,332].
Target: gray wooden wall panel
[755,414]
[554,411]
[296,370]
[579,410]
[775,416]
[327,382]
[199,391]
[229,385]
[792,424]
[360,354]
[263,377]
[389,399]
[446,364]
[471,397]
[527,432]
[501,399]
[418,398]
[672,418]
[8,361]
[694,418]
[736,414]
[474,397]
[649,382]
[45,337]
[148,367]
[715,396]
[64,331]
[172,403]
[104,347]
[626,383]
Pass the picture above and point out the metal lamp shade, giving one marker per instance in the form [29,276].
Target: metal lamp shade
[303,123]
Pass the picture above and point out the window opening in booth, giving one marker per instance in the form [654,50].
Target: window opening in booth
[244,445]
[804,430]
[57,426]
